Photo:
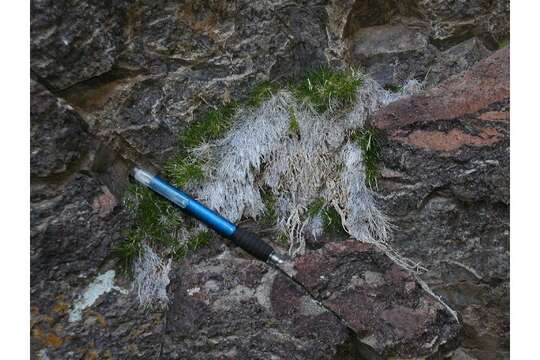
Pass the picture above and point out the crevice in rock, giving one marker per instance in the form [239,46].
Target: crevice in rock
[354,346]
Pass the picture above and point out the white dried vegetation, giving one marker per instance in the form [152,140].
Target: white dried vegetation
[151,278]
[299,155]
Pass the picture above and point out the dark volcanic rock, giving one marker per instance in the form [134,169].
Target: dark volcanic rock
[58,135]
[73,40]
[383,303]
[392,54]
[231,308]
[445,183]
[458,58]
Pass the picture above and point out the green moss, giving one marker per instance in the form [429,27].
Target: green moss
[323,86]
[210,127]
[332,221]
[315,207]
[198,240]
[182,169]
[269,216]
[261,92]
[394,88]
[128,249]
[331,218]
[366,140]
[503,43]
[155,222]
[282,239]
[294,127]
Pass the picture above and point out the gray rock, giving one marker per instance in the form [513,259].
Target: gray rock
[392,54]
[445,183]
[226,307]
[381,302]
[73,40]
[58,135]
[455,60]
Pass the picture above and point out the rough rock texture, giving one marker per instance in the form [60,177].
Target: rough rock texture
[400,40]
[116,82]
[445,183]
[378,300]
[58,135]
[233,308]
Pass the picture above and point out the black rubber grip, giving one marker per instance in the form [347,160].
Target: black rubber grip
[252,244]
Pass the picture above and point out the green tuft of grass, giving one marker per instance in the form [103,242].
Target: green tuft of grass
[324,86]
[199,240]
[394,88]
[503,43]
[315,207]
[156,222]
[269,216]
[294,127]
[366,140]
[282,239]
[331,219]
[210,127]
[261,92]
[182,169]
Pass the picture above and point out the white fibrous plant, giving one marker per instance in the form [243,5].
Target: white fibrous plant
[300,155]
[151,278]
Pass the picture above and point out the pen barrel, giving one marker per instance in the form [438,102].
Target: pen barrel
[245,239]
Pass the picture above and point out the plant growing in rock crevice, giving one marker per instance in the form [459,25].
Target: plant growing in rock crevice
[294,143]
[367,141]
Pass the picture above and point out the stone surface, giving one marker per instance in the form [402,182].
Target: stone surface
[381,302]
[116,83]
[458,58]
[400,40]
[232,308]
[444,161]
[58,135]
[73,40]
[392,54]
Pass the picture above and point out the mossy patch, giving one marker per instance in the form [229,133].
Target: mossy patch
[181,169]
[294,127]
[155,222]
[270,215]
[331,218]
[261,92]
[323,87]
[211,127]
[367,141]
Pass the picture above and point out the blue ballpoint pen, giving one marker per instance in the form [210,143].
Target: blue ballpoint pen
[241,237]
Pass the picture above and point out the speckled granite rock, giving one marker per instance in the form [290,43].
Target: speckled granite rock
[445,183]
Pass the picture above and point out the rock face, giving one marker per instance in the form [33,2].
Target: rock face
[445,184]
[378,300]
[115,83]
[401,40]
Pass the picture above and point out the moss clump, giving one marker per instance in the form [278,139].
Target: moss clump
[282,239]
[324,86]
[261,92]
[155,222]
[182,169]
[503,43]
[394,88]
[210,127]
[269,216]
[315,207]
[294,127]
[366,140]
[331,218]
